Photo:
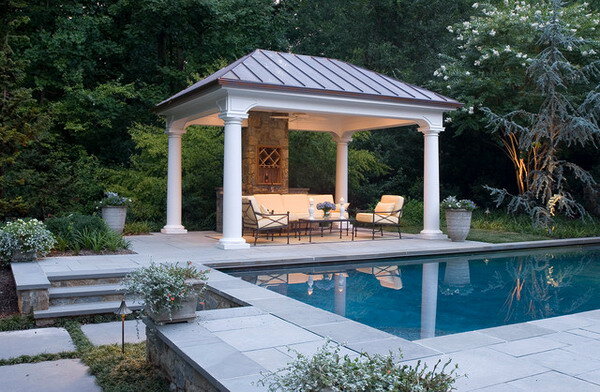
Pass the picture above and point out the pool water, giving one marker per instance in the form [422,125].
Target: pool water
[422,298]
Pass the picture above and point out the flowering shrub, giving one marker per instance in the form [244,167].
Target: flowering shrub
[113,199]
[326,206]
[452,203]
[26,235]
[327,370]
[8,245]
[164,287]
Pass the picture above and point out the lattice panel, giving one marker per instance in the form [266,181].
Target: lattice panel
[269,157]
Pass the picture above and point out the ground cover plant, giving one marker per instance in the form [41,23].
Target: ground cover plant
[329,370]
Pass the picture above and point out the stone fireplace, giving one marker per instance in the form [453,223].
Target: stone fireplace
[265,158]
[265,153]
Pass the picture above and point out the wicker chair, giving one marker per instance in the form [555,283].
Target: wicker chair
[260,220]
[387,213]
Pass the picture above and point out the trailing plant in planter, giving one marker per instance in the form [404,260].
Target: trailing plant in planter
[458,217]
[329,371]
[25,240]
[114,210]
[170,292]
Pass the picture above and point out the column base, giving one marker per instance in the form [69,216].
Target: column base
[432,235]
[173,229]
[233,243]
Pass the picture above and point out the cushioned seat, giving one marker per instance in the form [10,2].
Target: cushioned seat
[376,218]
[387,213]
[257,218]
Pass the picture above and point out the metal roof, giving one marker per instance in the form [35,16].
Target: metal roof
[265,69]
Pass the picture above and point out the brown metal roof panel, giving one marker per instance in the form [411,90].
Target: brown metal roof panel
[276,70]
[309,72]
[321,72]
[387,88]
[262,72]
[242,72]
[366,87]
[280,61]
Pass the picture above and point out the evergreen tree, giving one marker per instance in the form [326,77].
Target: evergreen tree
[20,118]
[568,116]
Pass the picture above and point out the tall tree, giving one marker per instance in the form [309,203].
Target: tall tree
[20,118]
[493,69]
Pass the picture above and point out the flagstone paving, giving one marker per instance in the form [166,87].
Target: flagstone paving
[65,375]
[110,333]
[34,342]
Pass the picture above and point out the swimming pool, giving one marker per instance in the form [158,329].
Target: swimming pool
[420,298]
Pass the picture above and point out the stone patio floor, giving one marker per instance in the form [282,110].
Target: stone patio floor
[558,354]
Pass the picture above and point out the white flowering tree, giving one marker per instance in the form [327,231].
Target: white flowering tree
[528,72]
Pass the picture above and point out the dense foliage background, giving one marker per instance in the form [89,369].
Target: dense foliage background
[79,79]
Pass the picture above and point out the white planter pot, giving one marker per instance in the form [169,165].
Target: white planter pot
[114,216]
[458,224]
[187,312]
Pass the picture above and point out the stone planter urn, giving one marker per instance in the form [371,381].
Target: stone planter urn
[186,313]
[458,224]
[114,216]
[20,256]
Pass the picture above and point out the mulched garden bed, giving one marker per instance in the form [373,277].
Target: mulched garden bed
[8,292]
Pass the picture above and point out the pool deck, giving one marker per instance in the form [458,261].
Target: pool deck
[557,354]
[200,247]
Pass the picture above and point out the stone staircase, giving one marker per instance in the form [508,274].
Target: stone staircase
[74,293]
[81,293]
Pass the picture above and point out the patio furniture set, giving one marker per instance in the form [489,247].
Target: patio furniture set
[286,214]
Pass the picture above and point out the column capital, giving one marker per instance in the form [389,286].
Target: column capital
[342,139]
[431,130]
[175,130]
[233,116]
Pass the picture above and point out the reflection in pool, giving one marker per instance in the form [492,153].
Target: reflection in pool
[417,299]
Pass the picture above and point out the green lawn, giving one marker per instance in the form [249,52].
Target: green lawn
[499,227]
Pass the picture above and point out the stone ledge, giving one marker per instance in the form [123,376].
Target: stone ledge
[29,276]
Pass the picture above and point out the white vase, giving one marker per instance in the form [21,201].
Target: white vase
[458,224]
[114,216]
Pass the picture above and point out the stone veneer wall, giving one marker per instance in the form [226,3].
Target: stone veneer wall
[264,131]
[183,377]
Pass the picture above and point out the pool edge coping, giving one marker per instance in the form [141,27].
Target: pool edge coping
[487,247]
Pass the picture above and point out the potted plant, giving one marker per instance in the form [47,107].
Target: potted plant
[25,240]
[458,217]
[114,210]
[326,207]
[170,292]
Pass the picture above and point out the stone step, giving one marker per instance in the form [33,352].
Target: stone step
[85,291]
[87,277]
[83,309]
[81,294]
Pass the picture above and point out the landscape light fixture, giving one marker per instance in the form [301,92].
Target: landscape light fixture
[123,311]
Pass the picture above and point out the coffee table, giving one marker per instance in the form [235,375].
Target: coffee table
[323,223]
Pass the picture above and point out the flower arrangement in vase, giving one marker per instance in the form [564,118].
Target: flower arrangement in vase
[326,207]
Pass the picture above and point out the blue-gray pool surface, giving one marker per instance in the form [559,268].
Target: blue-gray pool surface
[416,299]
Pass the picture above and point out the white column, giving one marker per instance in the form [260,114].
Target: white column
[341,167]
[174,225]
[232,182]
[429,292]
[340,294]
[431,184]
